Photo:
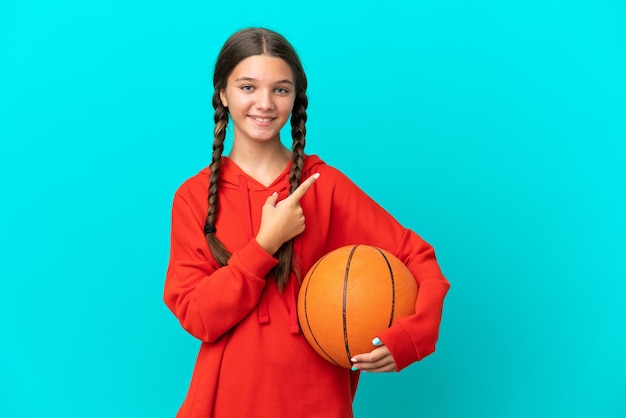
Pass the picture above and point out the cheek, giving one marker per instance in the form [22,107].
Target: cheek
[288,106]
[238,101]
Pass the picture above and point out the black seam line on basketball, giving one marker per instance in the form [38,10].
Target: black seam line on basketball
[345,293]
[306,314]
[393,288]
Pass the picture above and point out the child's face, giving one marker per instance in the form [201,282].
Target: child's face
[259,94]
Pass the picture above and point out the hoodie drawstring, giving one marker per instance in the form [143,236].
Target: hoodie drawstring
[294,324]
[245,205]
[263,311]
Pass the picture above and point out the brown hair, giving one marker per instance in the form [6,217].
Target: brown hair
[241,45]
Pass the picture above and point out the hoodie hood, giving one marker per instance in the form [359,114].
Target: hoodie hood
[231,174]
[252,194]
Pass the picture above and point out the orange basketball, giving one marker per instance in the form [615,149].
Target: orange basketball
[349,296]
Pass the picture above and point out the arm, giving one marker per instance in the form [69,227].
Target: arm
[414,337]
[207,300]
[362,220]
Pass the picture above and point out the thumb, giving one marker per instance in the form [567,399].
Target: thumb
[271,200]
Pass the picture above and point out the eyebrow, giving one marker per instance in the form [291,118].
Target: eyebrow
[287,81]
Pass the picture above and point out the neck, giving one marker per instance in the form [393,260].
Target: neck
[263,162]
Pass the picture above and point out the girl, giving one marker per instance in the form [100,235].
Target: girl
[240,244]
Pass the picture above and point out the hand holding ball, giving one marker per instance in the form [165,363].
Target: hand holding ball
[349,296]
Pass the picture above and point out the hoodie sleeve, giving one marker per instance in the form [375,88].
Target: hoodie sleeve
[208,300]
[359,219]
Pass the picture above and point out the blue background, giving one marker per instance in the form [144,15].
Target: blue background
[495,129]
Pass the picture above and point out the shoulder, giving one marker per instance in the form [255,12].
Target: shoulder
[314,164]
[197,184]
[332,180]
[190,199]
[192,194]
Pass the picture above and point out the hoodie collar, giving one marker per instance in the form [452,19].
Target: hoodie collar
[230,173]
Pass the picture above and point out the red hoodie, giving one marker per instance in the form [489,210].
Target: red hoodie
[253,361]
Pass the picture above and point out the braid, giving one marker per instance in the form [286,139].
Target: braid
[298,133]
[285,254]
[219,251]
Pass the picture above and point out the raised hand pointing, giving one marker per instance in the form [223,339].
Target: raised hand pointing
[281,221]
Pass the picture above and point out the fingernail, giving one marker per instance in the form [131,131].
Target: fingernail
[354,360]
[376,341]
[354,369]
[275,194]
[316,175]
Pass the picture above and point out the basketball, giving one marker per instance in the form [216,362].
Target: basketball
[350,295]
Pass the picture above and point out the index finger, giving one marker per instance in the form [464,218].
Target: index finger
[301,190]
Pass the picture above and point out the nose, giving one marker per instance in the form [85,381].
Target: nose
[265,100]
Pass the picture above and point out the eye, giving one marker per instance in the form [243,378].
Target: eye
[247,87]
[281,90]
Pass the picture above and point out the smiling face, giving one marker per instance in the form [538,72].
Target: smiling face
[259,95]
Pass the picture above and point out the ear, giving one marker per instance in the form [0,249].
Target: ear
[223,98]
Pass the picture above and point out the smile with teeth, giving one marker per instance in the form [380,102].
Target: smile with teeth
[265,119]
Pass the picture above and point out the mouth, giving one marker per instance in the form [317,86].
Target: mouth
[263,120]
